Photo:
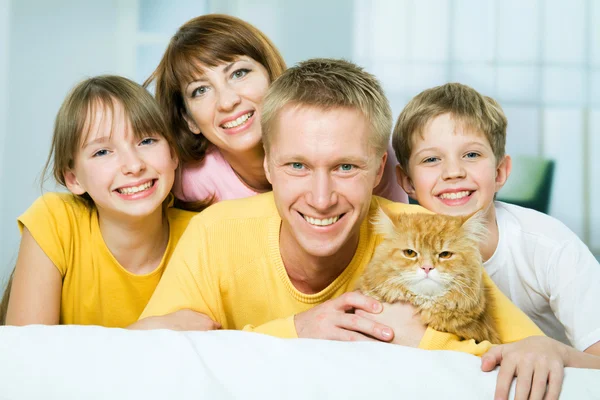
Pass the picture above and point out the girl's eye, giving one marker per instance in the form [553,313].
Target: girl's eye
[472,154]
[409,253]
[444,255]
[346,167]
[199,91]
[148,141]
[100,153]
[297,165]
[240,73]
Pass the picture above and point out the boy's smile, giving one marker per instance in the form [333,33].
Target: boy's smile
[452,168]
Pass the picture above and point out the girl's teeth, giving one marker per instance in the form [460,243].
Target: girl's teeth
[238,121]
[135,189]
[321,222]
[454,196]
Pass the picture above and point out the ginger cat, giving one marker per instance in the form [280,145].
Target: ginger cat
[433,262]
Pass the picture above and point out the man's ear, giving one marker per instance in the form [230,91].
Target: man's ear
[266,167]
[503,171]
[405,182]
[73,184]
[381,169]
[191,124]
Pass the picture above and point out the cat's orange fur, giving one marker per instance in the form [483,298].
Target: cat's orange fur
[452,297]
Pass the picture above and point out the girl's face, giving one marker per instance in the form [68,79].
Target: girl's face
[224,104]
[125,177]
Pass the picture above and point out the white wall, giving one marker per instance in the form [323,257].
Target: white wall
[52,45]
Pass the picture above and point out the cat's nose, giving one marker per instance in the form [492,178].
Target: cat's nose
[427,268]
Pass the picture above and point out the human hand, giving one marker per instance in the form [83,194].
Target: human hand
[182,320]
[535,361]
[404,320]
[332,320]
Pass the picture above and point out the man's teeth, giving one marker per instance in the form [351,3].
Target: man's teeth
[135,189]
[238,121]
[321,222]
[456,195]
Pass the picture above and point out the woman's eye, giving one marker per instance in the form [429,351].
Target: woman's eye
[240,73]
[199,91]
[444,255]
[409,253]
[346,167]
[148,141]
[100,153]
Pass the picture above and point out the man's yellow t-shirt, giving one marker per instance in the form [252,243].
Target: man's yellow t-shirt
[228,266]
[96,289]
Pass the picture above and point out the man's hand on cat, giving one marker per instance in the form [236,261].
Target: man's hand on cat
[182,320]
[332,320]
[404,320]
[535,361]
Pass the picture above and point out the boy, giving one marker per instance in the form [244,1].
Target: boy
[450,143]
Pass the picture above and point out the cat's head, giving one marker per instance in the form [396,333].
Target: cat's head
[430,254]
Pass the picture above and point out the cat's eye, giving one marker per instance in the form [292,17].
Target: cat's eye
[409,253]
[444,255]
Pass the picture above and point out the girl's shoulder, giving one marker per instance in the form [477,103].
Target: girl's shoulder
[60,206]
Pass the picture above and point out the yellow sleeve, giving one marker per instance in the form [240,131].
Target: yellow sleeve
[283,328]
[512,324]
[187,281]
[50,220]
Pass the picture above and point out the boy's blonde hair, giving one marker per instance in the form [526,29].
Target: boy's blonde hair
[466,106]
[327,84]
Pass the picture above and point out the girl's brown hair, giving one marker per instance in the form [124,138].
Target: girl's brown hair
[208,41]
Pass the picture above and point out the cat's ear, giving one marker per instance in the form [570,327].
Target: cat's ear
[475,226]
[382,224]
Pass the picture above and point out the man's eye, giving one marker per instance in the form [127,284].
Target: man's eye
[346,167]
[297,165]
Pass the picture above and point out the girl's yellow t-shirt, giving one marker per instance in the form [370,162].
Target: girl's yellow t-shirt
[96,289]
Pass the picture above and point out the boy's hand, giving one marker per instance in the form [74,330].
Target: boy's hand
[333,320]
[535,361]
[404,320]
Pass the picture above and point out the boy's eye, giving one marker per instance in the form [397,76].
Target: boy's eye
[409,253]
[472,154]
[100,153]
[148,141]
[445,255]
[346,167]
[199,91]
[240,73]
[430,160]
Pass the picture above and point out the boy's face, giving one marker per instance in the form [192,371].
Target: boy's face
[452,169]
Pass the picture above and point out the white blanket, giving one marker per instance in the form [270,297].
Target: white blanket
[77,362]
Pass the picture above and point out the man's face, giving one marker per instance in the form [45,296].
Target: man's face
[323,172]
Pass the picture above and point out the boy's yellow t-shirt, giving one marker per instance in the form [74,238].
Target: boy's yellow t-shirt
[96,289]
[228,266]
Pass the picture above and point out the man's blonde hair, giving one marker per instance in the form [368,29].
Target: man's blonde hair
[466,106]
[327,84]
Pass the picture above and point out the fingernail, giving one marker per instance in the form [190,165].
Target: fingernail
[376,307]
[386,333]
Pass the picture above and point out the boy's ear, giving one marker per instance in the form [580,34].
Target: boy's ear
[405,182]
[503,171]
[73,184]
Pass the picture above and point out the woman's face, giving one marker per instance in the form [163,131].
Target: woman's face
[224,104]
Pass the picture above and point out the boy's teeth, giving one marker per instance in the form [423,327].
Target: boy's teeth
[321,222]
[456,195]
[135,189]
[238,121]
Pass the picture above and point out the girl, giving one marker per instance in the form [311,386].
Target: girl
[95,255]
[210,84]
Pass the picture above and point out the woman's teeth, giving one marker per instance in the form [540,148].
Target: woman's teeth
[237,122]
[454,196]
[136,189]
[321,222]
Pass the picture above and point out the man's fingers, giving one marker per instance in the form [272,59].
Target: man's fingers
[538,385]
[504,380]
[359,301]
[555,380]
[356,323]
